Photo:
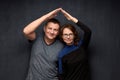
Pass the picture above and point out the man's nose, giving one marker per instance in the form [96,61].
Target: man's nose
[52,31]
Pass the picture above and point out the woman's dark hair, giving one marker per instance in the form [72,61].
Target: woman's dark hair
[73,29]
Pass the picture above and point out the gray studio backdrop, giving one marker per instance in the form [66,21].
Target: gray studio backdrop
[101,16]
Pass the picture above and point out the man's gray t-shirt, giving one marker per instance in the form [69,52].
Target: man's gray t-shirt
[43,60]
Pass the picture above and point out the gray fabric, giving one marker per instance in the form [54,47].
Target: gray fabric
[43,60]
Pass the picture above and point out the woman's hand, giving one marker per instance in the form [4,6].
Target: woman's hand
[68,16]
[52,14]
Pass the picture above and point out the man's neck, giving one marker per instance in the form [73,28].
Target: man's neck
[48,41]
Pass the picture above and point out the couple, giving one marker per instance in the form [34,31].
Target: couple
[54,59]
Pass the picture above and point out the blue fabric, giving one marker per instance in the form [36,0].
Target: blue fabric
[67,49]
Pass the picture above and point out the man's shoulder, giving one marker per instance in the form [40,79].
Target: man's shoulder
[59,43]
[57,40]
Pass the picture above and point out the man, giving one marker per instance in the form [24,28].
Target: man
[45,48]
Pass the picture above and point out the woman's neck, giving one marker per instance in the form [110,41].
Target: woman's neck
[70,44]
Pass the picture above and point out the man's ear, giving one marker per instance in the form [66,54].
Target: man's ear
[58,32]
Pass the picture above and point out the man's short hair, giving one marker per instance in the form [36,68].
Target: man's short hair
[56,21]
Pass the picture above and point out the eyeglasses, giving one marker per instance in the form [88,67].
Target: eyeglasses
[66,35]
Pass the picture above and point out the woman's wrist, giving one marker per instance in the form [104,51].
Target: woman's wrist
[75,20]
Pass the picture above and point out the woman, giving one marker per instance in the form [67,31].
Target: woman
[72,60]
